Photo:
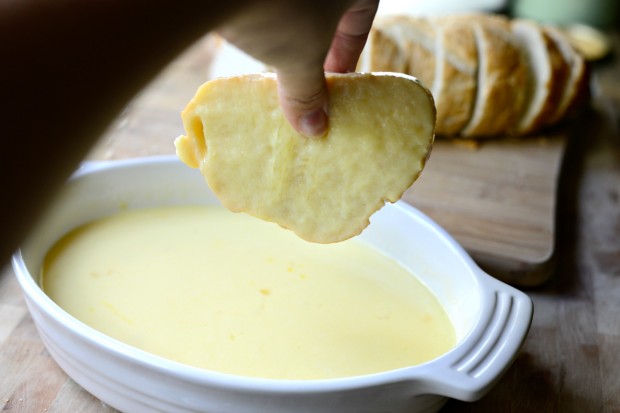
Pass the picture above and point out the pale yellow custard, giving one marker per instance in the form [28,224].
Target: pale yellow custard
[227,292]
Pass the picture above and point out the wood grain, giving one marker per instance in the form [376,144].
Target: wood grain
[570,360]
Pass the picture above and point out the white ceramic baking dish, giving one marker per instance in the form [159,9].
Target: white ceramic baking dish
[491,318]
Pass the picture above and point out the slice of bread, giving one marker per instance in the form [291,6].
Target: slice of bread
[489,75]
[502,78]
[541,75]
[576,83]
[560,72]
[413,40]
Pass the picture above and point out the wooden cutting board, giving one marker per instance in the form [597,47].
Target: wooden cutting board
[497,198]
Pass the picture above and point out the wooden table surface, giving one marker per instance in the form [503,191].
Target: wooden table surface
[570,361]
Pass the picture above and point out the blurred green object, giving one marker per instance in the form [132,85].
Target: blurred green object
[598,13]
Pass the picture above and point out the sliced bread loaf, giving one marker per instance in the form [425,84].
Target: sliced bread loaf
[489,75]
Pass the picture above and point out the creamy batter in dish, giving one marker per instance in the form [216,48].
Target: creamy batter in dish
[227,292]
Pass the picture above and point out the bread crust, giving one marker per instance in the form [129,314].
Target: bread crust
[379,138]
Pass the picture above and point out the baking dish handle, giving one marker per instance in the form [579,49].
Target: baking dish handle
[490,349]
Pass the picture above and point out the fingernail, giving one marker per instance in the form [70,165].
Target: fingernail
[313,124]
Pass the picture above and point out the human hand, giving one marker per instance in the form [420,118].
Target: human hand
[302,40]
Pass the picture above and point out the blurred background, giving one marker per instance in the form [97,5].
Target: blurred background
[598,13]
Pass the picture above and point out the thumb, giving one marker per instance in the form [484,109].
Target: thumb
[304,100]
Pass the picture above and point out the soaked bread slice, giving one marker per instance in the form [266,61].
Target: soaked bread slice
[381,128]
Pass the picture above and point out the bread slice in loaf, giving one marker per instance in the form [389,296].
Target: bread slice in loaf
[383,53]
[489,75]
[543,73]
[561,73]
[501,77]
[576,83]
[457,71]
[405,44]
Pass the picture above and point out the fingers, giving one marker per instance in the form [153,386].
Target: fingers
[303,93]
[303,97]
[351,36]
[302,39]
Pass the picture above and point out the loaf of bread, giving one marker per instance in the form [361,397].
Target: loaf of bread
[489,75]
